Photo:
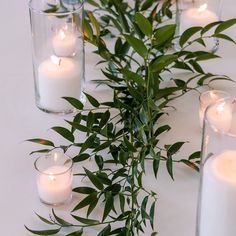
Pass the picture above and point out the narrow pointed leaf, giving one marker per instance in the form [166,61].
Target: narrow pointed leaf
[93,101]
[85,220]
[137,45]
[94,179]
[65,133]
[74,102]
[44,232]
[41,141]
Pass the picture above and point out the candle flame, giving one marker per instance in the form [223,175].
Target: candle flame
[213,95]
[220,108]
[56,60]
[202,8]
[62,34]
[52,177]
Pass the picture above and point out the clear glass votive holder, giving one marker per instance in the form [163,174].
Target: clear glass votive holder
[58,53]
[191,13]
[207,98]
[217,195]
[54,178]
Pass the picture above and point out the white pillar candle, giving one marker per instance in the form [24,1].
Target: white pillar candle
[197,17]
[57,78]
[218,199]
[207,98]
[64,42]
[55,185]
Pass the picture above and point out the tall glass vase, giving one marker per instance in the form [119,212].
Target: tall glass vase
[191,13]
[58,53]
[217,196]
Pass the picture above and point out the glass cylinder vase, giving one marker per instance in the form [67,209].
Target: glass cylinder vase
[54,178]
[217,196]
[58,53]
[192,13]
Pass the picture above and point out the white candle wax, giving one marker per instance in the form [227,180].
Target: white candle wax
[55,186]
[197,17]
[58,78]
[64,43]
[220,117]
[218,202]
[207,98]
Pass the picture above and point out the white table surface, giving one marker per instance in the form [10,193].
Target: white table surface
[20,120]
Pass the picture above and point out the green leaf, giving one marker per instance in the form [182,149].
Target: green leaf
[74,102]
[92,206]
[190,164]
[164,34]
[122,202]
[225,25]
[85,220]
[143,210]
[44,232]
[156,164]
[162,62]
[93,101]
[88,143]
[146,5]
[86,201]
[88,31]
[188,34]
[41,151]
[41,141]
[65,133]
[81,157]
[129,145]
[175,148]
[131,76]
[105,118]
[44,220]
[60,220]
[162,129]
[99,160]
[169,166]
[108,206]
[94,22]
[195,155]
[196,66]
[144,24]
[152,213]
[94,179]
[209,27]
[76,233]
[93,3]
[84,190]
[79,127]
[106,231]
[137,45]
[225,37]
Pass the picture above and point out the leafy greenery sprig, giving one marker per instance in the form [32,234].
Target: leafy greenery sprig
[123,134]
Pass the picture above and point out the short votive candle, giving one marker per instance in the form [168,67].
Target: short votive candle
[54,178]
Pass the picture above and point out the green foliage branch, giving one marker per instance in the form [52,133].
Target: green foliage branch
[123,134]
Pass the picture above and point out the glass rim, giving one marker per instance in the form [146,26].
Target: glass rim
[45,173]
[33,9]
[214,90]
[232,101]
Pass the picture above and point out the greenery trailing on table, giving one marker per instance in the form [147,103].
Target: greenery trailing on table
[123,134]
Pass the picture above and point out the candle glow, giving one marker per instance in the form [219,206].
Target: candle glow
[202,8]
